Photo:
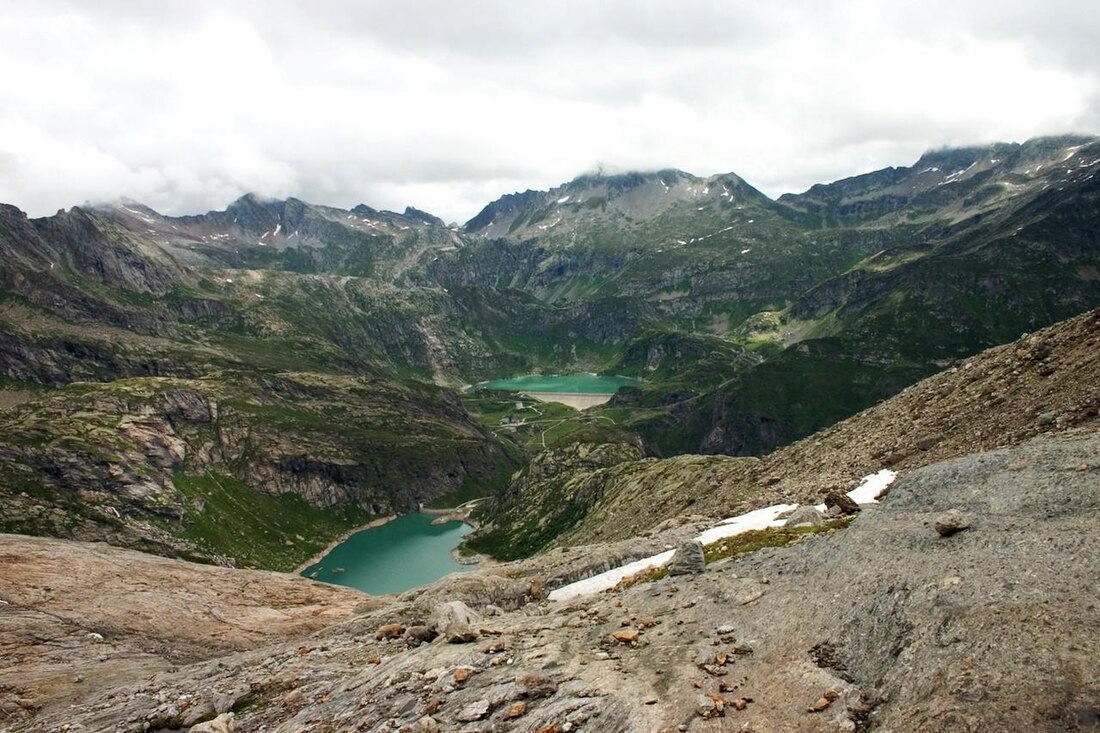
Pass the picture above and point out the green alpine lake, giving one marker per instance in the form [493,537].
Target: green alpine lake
[401,554]
[559,383]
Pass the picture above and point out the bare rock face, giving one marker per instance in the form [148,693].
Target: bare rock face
[688,559]
[116,615]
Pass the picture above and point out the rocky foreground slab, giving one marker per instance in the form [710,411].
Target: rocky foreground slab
[888,624]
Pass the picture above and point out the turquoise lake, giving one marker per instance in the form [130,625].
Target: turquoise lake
[404,553]
[562,383]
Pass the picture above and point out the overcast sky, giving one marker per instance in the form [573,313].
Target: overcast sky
[445,105]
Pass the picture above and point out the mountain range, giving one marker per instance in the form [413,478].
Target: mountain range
[306,358]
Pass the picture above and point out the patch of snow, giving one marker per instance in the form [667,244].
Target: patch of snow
[871,485]
[611,578]
[754,520]
[229,280]
[292,236]
[278,228]
[1070,152]
[563,199]
[680,241]
[746,251]
[751,221]
[933,169]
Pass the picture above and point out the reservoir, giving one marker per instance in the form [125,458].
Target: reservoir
[404,553]
[575,390]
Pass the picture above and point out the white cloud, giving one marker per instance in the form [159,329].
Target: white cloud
[442,105]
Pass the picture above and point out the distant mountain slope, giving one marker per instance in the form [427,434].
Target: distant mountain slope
[291,235]
[1047,381]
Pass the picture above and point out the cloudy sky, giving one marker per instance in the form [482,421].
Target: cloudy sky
[445,105]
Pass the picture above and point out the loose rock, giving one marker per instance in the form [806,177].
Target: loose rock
[951,522]
[842,502]
[473,711]
[688,559]
[805,516]
[221,724]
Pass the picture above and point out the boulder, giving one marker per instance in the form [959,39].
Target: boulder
[841,501]
[805,516]
[688,559]
[452,612]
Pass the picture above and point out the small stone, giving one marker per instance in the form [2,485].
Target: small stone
[474,711]
[535,686]
[711,706]
[78,678]
[516,710]
[951,522]
[822,704]
[724,630]
[626,636]
[463,673]
[1082,468]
